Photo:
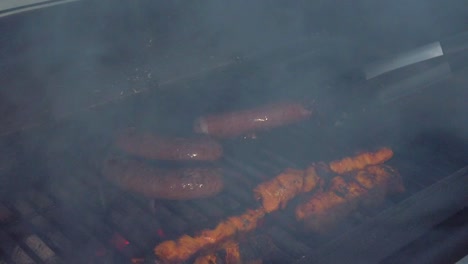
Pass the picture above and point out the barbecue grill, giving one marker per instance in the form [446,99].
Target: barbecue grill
[55,206]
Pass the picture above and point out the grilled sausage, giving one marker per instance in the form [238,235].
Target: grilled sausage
[232,124]
[153,182]
[153,146]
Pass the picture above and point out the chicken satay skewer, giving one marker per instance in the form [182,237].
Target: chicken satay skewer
[233,255]
[274,194]
[183,248]
[277,192]
[369,186]
[360,161]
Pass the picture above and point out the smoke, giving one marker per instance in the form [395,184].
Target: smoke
[89,51]
[70,57]
[55,63]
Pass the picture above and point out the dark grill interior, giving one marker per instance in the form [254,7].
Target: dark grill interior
[55,206]
[76,216]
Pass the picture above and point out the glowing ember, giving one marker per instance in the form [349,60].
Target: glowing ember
[119,241]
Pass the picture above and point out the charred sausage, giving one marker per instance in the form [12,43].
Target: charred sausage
[154,182]
[153,146]
[239,123]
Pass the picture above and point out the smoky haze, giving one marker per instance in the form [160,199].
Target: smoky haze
[61,60]
[86,52]
[57,62]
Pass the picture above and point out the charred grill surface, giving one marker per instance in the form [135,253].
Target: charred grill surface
[82,212]
[77,216]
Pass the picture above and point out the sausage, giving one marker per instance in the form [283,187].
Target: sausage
[232,124]
[153,146]
[154,182]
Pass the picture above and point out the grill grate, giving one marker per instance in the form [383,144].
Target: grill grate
[81,218]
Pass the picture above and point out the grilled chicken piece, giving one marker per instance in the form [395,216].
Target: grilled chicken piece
[369,186]
[232,254]
[380,181]
[274,193]
[327,208]
[232,250]
[350,190]
[361,161]
[324,206]
[383,176]
[186,246]
[206,259]
[324,209]
[277,192]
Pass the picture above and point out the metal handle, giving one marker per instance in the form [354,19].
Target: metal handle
[423,53]
[449,46]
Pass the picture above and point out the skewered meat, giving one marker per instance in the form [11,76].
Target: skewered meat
[361,161]
[380,181]
[342,196]
[239,123]
[325,209]
[153,182]
[232,252]
[153,146]
[206,259]
[291,182]
[277,192]
[186,246]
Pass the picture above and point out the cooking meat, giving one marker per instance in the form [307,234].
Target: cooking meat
[289,183]
[232,250]
[153,146]
[153,182]
[233,124]
[186,246]
[206,259]
[346,193]
[278,191]
[360,161]
[380,181]
[325,208]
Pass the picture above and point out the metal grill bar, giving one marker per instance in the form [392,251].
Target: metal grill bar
[39,241]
